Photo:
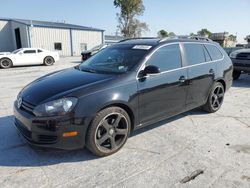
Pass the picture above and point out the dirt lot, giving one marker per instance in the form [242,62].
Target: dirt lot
[167,154]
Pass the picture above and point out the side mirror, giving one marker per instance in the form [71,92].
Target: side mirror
[20,53]
[150,69]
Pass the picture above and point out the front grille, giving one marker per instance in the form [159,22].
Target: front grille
[243,56]
[47,138]
[24,131]
[27,107]
[241,65]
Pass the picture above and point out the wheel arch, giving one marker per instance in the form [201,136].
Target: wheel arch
[124,107]
[223,83]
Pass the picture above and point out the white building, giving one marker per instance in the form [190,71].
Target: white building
[68,39]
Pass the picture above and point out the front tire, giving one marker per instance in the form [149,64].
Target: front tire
[108,132]
[236,74]
[5,63]
[215,98]
[48,61]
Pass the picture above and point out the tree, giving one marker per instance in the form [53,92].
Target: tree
[162,33]
[232,37]
[247,38]
[171,34]
[129,25]
[204,32]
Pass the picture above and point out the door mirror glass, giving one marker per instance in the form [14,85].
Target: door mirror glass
[150,69]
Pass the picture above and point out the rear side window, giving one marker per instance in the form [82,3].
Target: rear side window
[29,52]
[39,51]
[194,53]
[214,52]
[166,58]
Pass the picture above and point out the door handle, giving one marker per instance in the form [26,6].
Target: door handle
[211,71]
[182,79]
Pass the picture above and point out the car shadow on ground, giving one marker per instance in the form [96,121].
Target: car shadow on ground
[17,153]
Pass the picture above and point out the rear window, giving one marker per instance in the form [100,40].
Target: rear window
[194,53]
[214,52]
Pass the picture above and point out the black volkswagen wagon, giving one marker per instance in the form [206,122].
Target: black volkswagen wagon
[132,84]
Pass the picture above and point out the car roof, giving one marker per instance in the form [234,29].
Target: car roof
[247,50]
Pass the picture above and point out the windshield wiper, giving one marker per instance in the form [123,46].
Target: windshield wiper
[88,70]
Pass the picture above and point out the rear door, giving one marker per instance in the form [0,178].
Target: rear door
[164,94]
[201,71]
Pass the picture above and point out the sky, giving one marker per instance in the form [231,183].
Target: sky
[179,16]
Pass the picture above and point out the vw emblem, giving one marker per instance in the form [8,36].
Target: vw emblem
[19,102]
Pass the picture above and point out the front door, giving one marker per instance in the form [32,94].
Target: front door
[164,94]
[28,57]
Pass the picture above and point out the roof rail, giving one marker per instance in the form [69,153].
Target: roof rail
[137,38]
[185,37]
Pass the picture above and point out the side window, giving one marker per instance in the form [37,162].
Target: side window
[166,58]
[39,51]
[194,53]
[29,52]
[207,56]
[214,52]
[58,46]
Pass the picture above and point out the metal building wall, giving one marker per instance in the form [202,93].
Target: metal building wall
[23,33]
[6,40]
[42,37]
[91,38]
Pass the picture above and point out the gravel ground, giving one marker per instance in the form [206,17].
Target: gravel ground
[194,149]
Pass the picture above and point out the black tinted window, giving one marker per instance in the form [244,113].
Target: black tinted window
[29,52]
[58,46]
[194,53]
[214,52]
[166,58]
[39,51]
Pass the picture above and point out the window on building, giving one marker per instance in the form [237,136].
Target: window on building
[58,46]
[166,58]
[29,52]
[83,46]
[194,53]
[214,52]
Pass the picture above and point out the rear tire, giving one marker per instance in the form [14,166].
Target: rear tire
[5,63]
[236,74]
[108,131]
[48,61]
[215,98]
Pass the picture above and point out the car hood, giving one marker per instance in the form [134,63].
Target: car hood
[5,53]
[59,84]
[86,52]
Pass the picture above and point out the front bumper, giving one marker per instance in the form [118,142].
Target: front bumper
[241,65]
[48,132]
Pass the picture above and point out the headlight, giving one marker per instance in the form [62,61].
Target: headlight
[233,55]
[55,108]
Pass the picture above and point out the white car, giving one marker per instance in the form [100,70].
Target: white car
[28,56]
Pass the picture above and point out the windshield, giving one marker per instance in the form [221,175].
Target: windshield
[117,59]
[96,48]
[16,51]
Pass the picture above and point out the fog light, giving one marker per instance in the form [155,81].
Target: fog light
[70,134]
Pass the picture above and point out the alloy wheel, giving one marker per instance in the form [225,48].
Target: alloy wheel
[112,132]
[217,97]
